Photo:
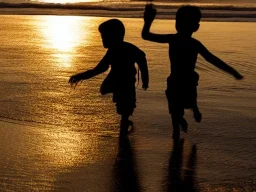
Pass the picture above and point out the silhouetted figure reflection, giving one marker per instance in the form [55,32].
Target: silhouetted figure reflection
[125,177]
[183,51]
[180,178]
[121,56]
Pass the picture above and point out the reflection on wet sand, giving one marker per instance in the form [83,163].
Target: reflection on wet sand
[180,178]
[125,176]
[63,35]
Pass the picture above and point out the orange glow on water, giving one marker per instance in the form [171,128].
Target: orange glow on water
[63,35]
[62,32]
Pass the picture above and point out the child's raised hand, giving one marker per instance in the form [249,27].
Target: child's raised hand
[149,13]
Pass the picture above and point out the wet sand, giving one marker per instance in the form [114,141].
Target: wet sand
[67,140]
[41,158]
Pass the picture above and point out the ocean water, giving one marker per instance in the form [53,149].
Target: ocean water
[64,139]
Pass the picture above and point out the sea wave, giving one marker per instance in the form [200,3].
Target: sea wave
[131,9]
[113,5]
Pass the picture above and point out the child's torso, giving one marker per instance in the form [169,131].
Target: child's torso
[122,61]
[183,55]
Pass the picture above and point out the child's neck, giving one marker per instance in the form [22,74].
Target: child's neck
[117,44]
[185,34]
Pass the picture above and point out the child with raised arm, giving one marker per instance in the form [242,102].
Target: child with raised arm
[121,56]
[182,83]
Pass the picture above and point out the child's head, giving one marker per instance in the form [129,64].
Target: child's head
[187,19]
[112,32]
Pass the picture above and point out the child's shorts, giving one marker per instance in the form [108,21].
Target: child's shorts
[123,95]
[182,93]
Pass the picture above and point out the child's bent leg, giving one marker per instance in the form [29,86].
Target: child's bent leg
[107,85]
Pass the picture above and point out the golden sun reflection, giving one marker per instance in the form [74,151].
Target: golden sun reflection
[66,148]
[64,59]
[63,34]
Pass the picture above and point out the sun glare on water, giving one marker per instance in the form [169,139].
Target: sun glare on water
[63,35]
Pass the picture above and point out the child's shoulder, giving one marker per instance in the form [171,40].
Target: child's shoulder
[196,41]
[131,46]
[178,37]
[196,44]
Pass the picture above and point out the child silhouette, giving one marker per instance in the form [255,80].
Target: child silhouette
[121,56]
[182,83]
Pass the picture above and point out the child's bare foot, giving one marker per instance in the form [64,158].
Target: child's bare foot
[124,127]
[130,127]
[184,125]
[198,116]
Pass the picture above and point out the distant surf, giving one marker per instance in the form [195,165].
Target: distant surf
[131,9]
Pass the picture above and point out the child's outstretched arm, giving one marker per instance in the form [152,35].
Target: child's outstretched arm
[100,68]
[208,56]
[143,66]
[149,16]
